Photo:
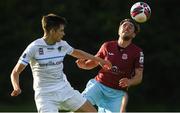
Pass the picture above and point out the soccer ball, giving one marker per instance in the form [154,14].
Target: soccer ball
[140,12]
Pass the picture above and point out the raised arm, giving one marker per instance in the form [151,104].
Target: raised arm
[92,62]
[15,79]
[86,64]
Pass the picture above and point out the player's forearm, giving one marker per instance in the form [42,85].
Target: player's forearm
[137,79]
[91,64]
[86,64]
[84,55]
[15,80]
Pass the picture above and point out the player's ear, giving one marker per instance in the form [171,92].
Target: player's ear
[51,31]
[133,35]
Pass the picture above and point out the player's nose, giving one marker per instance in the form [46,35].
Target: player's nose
[64,34]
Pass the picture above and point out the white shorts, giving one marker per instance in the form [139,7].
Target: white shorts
[64,99]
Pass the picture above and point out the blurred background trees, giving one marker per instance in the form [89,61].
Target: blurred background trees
[90,23]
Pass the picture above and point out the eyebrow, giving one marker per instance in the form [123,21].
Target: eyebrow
[131,24]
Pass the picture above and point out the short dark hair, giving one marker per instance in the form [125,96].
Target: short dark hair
[52,21]
[136,25]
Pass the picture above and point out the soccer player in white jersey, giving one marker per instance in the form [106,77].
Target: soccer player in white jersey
[45,55]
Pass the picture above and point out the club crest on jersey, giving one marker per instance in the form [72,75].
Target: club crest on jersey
[24,56]
[124,56]
[59,48]
[41,52]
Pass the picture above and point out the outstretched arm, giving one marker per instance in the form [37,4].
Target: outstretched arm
[15,79]
[93,61]
[86,64]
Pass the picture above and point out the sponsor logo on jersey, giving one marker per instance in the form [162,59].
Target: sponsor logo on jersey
[124,56]
[141,54]
[115,70]
[109,53]
[50,48]
[141,59]
[51,63]
[41,52]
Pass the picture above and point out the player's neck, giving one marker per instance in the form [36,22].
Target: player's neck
[123,43]
[48,40]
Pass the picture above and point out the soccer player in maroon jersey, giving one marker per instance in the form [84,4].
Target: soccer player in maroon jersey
[108,90]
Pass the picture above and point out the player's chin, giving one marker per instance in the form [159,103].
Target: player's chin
[126,38]
[58,40]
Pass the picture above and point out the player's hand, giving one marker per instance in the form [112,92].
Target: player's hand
[124,82]
[81,63]
[16,92]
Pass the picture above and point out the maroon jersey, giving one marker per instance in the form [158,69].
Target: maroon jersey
[124,61]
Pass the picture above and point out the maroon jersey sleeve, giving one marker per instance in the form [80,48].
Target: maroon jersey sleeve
[139,60]
[102,51]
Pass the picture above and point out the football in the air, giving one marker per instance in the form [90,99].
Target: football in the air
[140,12]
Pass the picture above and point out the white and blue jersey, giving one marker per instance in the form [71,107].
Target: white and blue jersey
[46,62]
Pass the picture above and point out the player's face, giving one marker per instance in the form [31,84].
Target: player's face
[58,34]
[126,31]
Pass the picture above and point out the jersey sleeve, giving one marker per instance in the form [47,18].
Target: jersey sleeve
[27,55]
[68,48]
[102,51]
[139,61]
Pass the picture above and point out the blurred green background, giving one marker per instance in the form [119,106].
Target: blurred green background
[90,23]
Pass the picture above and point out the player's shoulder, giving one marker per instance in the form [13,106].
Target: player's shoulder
[110,43]
[37,42]
[34,44]
[62,42]
[136,47]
